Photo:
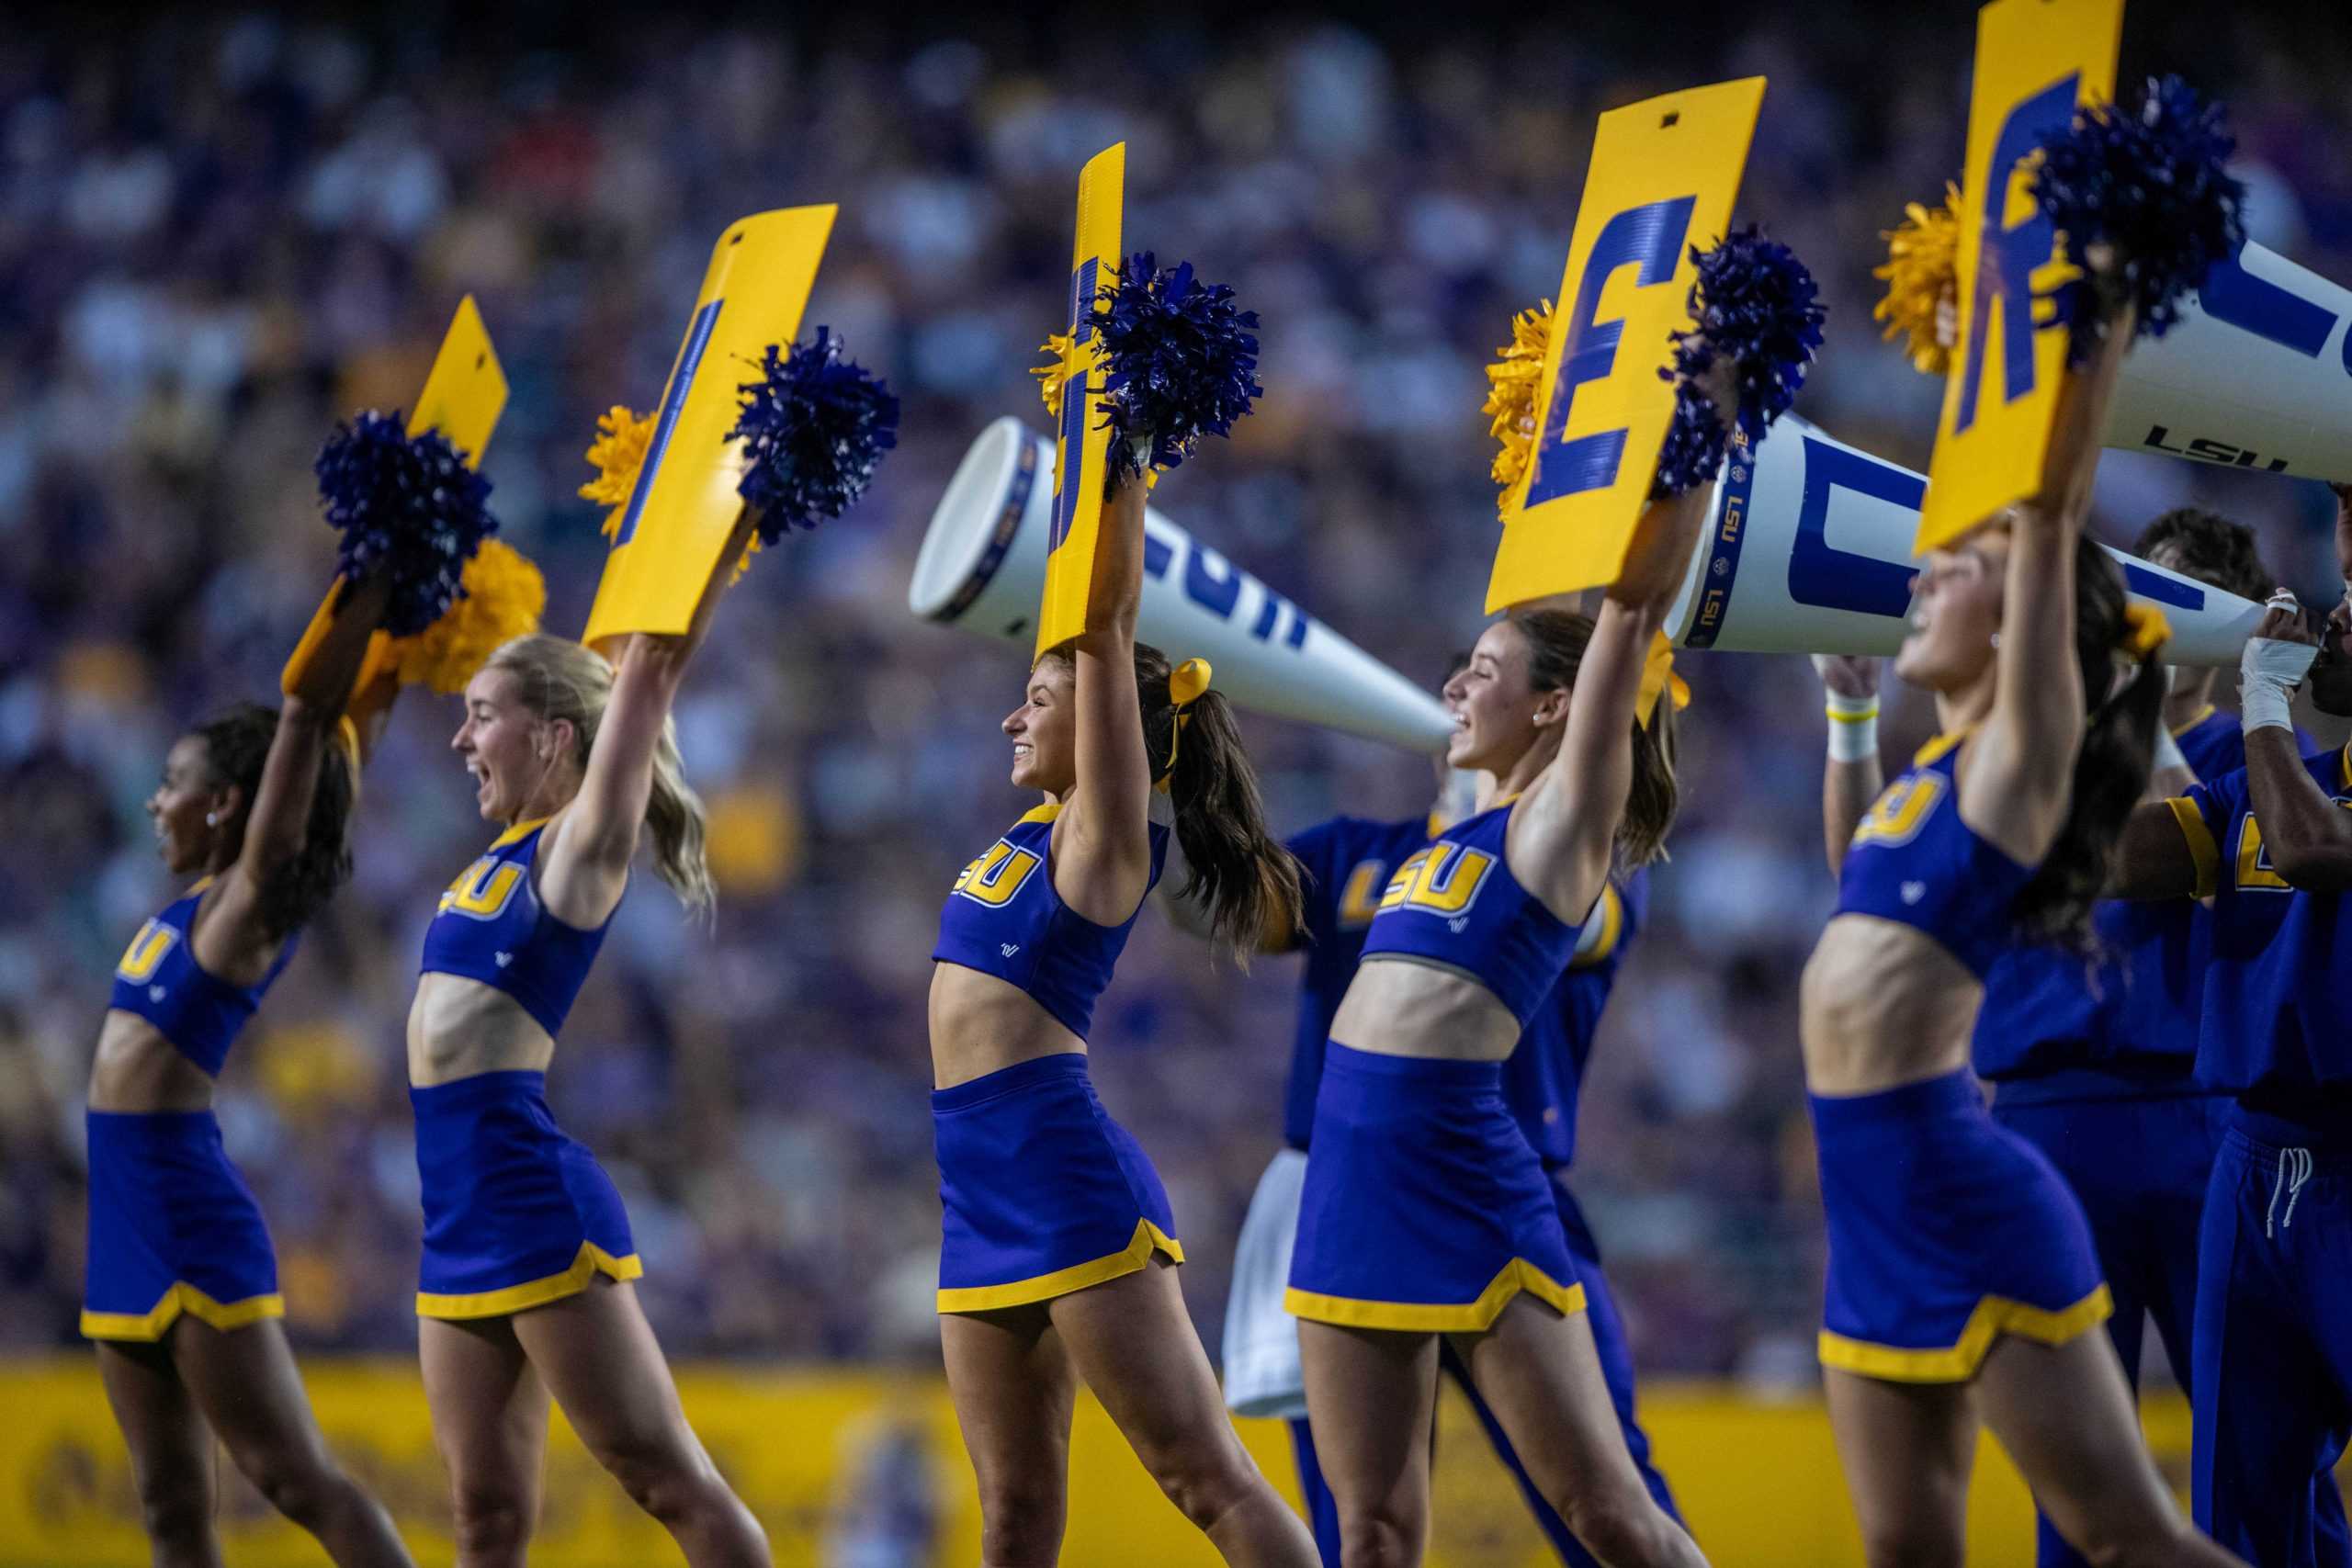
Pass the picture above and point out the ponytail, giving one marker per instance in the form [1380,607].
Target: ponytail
[2111,768]
[558,679]
[1555,643]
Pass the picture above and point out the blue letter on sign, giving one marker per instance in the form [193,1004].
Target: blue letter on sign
[1649,237]
[1074,402]
[2005,258]
[673,402]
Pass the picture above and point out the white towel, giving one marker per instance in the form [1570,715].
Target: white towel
[1261,1372]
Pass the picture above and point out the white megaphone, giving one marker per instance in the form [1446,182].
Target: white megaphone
[2257,375]
[1809,552]
[982,566]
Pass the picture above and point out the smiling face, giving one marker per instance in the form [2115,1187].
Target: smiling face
[1955,613]
[1497,713]
[1044,730]
[189,791]
[510,752]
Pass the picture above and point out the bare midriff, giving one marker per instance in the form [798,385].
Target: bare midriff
[980,1024]
[138,1071]
[1398,1005]
[1881,1005]
[458,1028]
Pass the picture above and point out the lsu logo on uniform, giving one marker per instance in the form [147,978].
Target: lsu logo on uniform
[997,875]
[1896,816]
[1440,880]
[145,954]
[484,890]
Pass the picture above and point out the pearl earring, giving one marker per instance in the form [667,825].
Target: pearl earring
[212,819]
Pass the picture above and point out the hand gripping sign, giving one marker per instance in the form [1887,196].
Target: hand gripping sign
[1663,178]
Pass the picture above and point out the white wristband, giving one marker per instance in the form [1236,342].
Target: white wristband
[2268,672]
[2168,751]
[1853,727]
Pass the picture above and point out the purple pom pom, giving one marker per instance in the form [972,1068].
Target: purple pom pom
[405,505]
[814,427]
[2151,182]
[1755,304]
[1182,362]
[1693,453]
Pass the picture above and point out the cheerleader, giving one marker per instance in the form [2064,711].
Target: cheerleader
[1345,864]
[1057,1263]
[1961,1274]
[1426,1212]
[182,1294]
[524,1293]
[2092,1063]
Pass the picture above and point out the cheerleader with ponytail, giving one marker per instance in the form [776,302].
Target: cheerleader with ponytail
[525,1292]
[1962,1278]
[182,1296]
[1060,1245]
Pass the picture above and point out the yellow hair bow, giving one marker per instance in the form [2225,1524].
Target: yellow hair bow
[1657,676]
[2146,630]
[1185,684]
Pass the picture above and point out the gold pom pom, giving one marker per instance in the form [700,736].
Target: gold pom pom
[617,453]
[1922,272]
[504,599]
[1053,373]
[1511,387]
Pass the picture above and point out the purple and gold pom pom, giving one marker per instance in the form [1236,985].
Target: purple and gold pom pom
[814,427]
[2150,182]
[1757,305]
[1182,362]
[408,506]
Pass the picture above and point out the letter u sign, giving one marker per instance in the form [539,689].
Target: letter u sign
[1648,238]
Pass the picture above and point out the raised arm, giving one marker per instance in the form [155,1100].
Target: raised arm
[235,940]
[1563,835]
[2308,836]
[1103,841]
[585,868]
[2015,787]
[1852,777]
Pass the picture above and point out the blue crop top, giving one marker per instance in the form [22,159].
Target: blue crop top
[1914,862]
[160,980]
[491,927]
[1457,905]
[1004,918]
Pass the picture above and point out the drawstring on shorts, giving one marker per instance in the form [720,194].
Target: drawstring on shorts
[2294,1169]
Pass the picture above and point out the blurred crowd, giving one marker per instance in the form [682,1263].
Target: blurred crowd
[217,236]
